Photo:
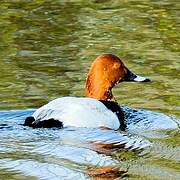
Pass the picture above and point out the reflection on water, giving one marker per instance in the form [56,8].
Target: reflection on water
[72,153]
[46,48]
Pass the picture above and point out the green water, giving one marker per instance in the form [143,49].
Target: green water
[47,46]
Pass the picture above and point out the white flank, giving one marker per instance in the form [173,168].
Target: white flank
[78,112]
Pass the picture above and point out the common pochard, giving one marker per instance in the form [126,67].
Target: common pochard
[98,109]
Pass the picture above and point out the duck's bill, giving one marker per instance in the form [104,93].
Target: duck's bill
[130,76]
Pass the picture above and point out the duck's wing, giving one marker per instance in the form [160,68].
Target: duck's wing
[78,112]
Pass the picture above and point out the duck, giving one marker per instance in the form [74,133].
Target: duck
[98,109]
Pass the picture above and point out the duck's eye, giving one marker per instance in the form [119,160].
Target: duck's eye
[116,65]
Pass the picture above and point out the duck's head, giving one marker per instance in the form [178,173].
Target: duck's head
[105,72]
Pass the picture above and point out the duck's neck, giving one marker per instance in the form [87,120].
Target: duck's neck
[98,89]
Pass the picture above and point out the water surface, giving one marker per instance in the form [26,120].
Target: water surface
[46,48]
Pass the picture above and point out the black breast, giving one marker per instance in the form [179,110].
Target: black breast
[114,107]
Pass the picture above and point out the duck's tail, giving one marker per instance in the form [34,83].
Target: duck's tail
[49,123]
[28,121]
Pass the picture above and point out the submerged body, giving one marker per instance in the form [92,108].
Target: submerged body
[98,109]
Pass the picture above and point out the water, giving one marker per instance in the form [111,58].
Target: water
[46,48]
